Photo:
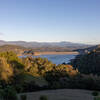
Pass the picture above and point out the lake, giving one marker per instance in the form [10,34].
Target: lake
[59,59]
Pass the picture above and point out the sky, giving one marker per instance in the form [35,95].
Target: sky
[50,20]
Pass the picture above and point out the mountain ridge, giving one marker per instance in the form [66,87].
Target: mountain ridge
[34,44]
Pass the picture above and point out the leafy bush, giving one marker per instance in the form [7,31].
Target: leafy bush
[8,93]
[96,98]
[1,93]
[43,97]
[23,97]
[95,93]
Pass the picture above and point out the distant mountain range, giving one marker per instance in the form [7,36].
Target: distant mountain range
[62,44]
[29,48]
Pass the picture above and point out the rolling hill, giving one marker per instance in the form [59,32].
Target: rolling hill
[19,50]
[47,46]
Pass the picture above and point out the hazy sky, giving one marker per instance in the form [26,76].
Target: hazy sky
[50,20]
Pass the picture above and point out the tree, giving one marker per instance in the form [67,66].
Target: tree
[5,70]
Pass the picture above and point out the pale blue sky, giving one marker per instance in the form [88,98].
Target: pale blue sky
[50,20]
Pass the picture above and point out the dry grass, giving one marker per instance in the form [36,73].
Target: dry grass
[63,94]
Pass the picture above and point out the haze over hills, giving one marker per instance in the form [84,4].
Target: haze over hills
[45,44]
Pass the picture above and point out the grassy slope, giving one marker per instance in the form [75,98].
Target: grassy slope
[63,94]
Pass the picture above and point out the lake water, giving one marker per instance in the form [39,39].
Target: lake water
[59,59]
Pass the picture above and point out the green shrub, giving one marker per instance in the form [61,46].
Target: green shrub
[97,98]
[1,93]
[95,93]
[23,97]
[9,93]
[43,97]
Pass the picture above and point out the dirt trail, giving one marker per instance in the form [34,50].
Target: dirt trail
[63,94]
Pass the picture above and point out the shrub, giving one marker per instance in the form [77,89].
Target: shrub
[23,97]
[8,93]
[1,93]
[43,97]
[95,93]
[97,98]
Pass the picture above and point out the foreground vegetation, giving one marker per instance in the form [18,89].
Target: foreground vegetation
[18,75]
[97,98]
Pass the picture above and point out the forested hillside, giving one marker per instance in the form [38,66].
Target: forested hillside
[89,63]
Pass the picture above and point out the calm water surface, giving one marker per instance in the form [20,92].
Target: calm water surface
[58,59]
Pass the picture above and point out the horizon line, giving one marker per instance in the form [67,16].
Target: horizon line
[50,42]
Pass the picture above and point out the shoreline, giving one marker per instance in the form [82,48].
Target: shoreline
[54,53]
